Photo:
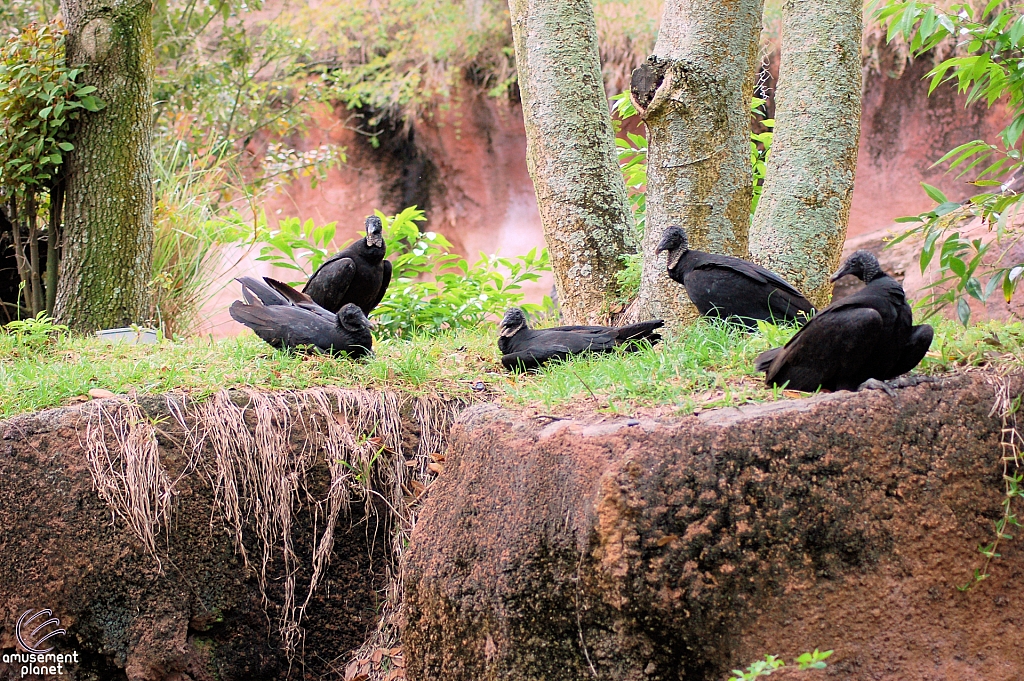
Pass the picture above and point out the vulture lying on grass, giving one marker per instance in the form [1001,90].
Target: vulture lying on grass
[867,335]
[724,286]
[359,274]
[285,318]
[525,348]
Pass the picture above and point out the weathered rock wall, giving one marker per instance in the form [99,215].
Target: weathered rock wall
[679,548]
[191,609]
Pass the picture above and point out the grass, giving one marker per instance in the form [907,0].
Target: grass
[707,365]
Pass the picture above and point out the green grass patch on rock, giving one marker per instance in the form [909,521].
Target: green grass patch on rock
[709,364]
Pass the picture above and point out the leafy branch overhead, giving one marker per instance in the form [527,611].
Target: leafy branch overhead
[38,101]
[988,67]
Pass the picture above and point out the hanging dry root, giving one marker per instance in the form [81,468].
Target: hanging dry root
[256,450]
[129,476]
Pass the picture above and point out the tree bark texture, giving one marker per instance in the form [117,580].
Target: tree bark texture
[571,155]
[108,238]
[694,94]
[800,225]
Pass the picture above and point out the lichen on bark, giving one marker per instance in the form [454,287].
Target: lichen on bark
[693,94]
[800,225]
[108,239]
[571,155]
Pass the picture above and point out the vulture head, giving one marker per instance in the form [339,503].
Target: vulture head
[512,322]
[352,319]
[863,265]
[673,240]
[374,232]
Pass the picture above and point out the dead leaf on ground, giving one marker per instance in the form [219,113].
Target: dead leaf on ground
[77,398]
[667,539]
[793,393]
[377,656]
[352,672]
[100,393]
[435,467]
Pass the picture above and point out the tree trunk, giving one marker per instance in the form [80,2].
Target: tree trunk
[800,225]
[694,94]
[35,283]
[24,271]
[53,242]
[570,152]
[108,237]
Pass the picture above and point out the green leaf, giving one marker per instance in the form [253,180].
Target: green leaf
[963,310]
[973,288]
[934,193]
[957,265]
[92,103]
[991,286]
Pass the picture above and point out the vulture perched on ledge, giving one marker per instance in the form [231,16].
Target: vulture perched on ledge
[866,335]
[728,287]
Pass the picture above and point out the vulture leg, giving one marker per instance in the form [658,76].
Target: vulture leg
[875,384]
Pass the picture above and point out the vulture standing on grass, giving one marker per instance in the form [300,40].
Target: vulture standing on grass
[359,274]
[866,335]
[525,348]
[724,286]
[285,318]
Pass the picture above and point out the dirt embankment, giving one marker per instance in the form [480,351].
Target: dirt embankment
[680,548]
[133,524]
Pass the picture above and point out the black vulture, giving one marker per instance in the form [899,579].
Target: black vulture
[525,348]
[286,318]
[359,274]
[866,335]
[728,287]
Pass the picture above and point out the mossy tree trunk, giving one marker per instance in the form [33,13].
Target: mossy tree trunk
[800,225]
[694,94]
[571,155]
[108,239]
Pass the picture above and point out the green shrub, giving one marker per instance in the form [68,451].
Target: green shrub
[295,245]
[988,65]
[39,100]
[454,293]
[770,663]
[35,332]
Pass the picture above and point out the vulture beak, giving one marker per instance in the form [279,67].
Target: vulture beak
[842,272]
